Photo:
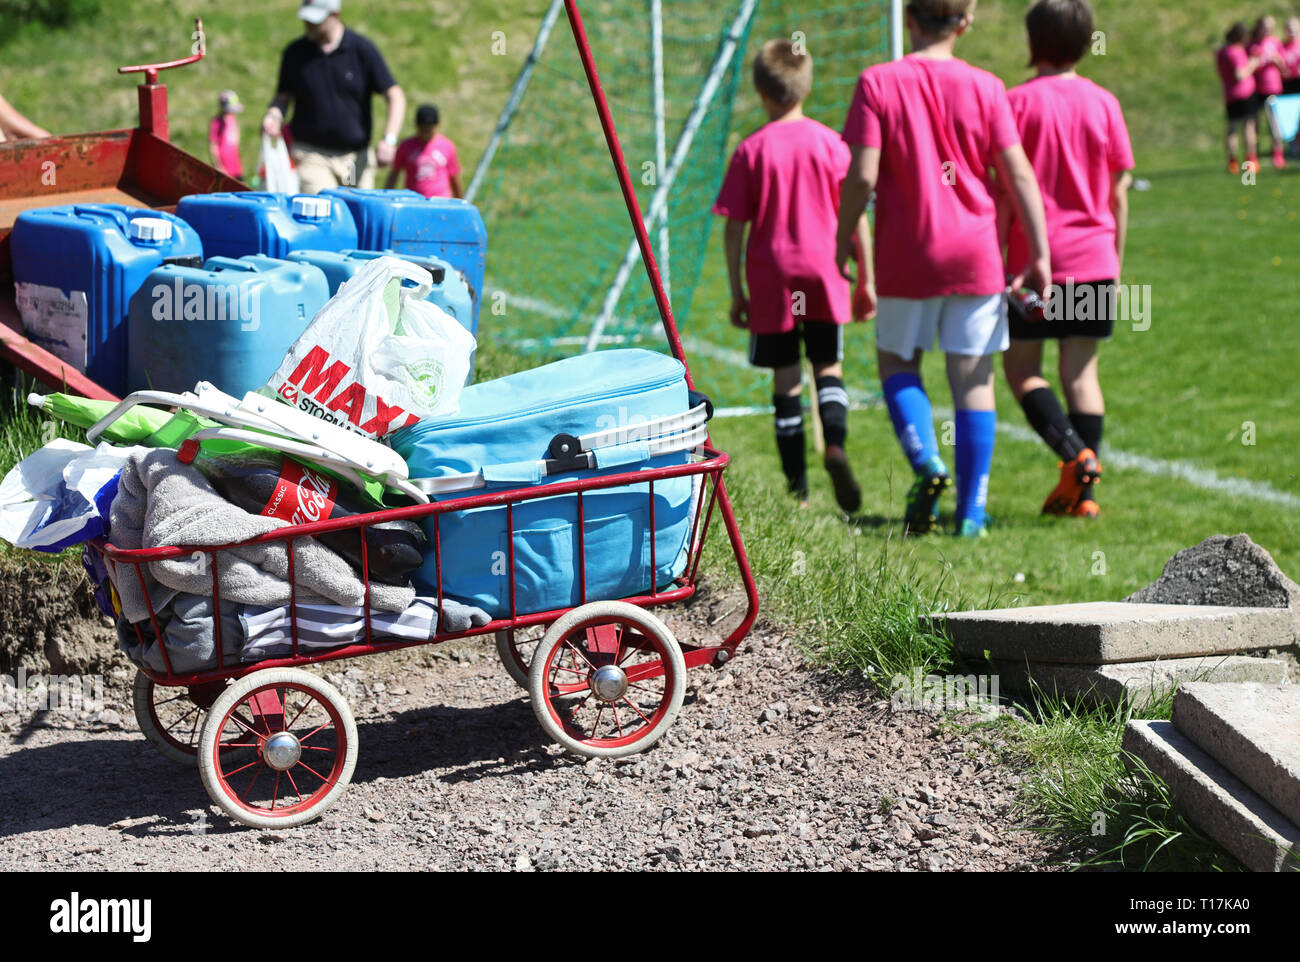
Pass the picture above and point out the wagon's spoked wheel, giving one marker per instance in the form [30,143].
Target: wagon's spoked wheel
[172,718]
[302,743]
[607,680]
[515,648]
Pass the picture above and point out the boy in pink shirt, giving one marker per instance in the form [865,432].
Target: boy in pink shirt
[784,181]
[1237,73]
[428,159]
[223,136]
[1266,51]
[925,132]
[1074,134]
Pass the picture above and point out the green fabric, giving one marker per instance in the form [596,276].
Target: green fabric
[132,428]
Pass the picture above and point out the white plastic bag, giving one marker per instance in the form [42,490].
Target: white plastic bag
[60,495]
[378,356]
[278,173]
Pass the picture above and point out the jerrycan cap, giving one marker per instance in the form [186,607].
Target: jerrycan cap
[151,230]
[311,208]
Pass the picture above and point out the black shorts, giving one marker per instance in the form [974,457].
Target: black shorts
[823,342]
[1090,312]
[1291,86]
[1245,109]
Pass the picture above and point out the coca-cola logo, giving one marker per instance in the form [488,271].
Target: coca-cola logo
[314,501]
[301,495]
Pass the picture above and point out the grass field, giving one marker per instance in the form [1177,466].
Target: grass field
[1201,432]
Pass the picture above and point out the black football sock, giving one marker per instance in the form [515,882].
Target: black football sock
[790,441]
[1089,428]
[833,406]
[1047,418]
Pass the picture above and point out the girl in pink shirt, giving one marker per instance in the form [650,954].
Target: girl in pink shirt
[1266,51]
[1237,72]
[1074,134]
[223,136]
[925,132]
[1291,57]
[784,183]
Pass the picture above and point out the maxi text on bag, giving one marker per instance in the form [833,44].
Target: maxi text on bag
[378,357]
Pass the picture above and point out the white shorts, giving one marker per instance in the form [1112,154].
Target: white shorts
[965,325]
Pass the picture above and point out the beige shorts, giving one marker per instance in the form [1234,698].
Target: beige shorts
[320,168]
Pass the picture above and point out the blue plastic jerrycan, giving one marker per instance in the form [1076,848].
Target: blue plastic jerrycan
[260,222]
[408,223]
[75,269]
[229,322]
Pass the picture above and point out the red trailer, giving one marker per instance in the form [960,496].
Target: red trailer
[139,167]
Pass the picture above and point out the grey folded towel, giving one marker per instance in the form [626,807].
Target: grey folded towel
[161,501]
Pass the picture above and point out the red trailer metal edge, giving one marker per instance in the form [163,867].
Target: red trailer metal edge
[138,167]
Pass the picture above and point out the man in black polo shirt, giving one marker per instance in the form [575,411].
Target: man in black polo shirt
[330,75]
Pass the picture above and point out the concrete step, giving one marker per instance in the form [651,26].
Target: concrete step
[1215,800]
[1139,684]
[1253,731]
[1109,632]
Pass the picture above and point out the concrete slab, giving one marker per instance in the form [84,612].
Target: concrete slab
[1224,571]
[1138,684]
[1107,632]
[1215,800]
[1253,731]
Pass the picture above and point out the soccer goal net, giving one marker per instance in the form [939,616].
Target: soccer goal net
[563,272]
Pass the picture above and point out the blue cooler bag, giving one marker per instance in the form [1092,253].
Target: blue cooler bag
[629,410]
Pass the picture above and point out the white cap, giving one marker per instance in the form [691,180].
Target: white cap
[154,230]
[314,208]
[315,11]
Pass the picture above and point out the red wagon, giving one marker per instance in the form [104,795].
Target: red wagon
[277,745]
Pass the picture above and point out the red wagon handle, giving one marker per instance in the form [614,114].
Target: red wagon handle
[150,70]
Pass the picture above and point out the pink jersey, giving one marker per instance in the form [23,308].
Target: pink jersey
[1268,78]
[939,124]
[429,166]
[1231,61]
[1291,54]
[1076,140]
[785,178]
[223,136]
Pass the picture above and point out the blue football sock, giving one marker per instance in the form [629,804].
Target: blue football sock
[909,409]
[975,433]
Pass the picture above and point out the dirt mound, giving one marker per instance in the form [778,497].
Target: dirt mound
[49,621]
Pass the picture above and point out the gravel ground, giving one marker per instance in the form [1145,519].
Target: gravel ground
[771,766]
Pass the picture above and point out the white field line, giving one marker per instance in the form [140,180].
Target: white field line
[1184,471]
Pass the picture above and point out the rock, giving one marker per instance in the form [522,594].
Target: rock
[671,851]
[1230,571]
[110,718]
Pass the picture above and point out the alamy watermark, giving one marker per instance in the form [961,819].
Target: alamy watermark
[184,301]
[940,693]
[1082,303]
[28,694]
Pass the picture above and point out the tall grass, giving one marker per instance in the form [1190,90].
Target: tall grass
[1105,807]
